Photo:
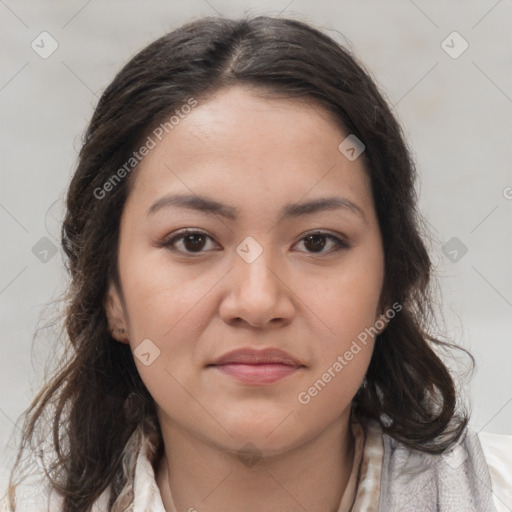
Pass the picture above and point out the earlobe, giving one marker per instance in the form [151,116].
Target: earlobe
[115,314]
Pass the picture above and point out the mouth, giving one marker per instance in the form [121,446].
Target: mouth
[251,366]
[257,373]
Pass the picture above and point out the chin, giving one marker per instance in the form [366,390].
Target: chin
[261,445]
[272,435]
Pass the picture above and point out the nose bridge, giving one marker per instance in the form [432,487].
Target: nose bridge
[255,265]
[257,293]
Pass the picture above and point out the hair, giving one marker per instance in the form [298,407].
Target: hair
[96,399]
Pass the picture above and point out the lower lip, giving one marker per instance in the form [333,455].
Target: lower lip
[257,373]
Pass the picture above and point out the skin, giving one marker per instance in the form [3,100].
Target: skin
[257,154]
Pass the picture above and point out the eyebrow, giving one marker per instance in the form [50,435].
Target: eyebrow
[291,210]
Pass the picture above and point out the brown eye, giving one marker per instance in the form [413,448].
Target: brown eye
[194,242]
[187,242]
[316,243]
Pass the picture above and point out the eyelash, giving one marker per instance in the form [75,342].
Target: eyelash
[168,242]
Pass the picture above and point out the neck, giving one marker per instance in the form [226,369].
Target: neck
[195,476]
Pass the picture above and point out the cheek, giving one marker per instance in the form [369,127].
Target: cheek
[169,306]
[346,350]
[349,301]
[329,393]
[348,306]
[163,297]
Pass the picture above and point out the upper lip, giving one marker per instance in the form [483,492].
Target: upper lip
[257,356]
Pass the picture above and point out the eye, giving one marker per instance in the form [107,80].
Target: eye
[188,241]
[317,241]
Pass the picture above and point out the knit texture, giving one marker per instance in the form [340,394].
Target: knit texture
[455,481]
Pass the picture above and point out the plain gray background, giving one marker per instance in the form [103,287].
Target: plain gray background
[456,113]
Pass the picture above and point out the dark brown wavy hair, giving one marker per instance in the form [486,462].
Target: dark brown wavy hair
[96,400]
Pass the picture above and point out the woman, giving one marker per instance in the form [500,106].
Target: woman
[249,307]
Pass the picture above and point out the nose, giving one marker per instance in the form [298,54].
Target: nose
[258,294]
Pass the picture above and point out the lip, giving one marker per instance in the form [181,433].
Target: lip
[263,366]
[257,373]
[257,356]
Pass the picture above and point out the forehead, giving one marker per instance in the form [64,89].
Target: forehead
[241,144]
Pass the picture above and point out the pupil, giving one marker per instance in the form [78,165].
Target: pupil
[194,241]
[317,244]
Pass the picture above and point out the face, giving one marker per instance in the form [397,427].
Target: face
[250,267]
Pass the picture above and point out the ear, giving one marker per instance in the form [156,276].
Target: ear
[381,318]
[115,314]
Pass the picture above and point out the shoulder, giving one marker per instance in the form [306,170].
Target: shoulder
[474,473]
[497,450]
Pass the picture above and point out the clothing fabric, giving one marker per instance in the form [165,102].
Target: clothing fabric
[457,480]
[386,476]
